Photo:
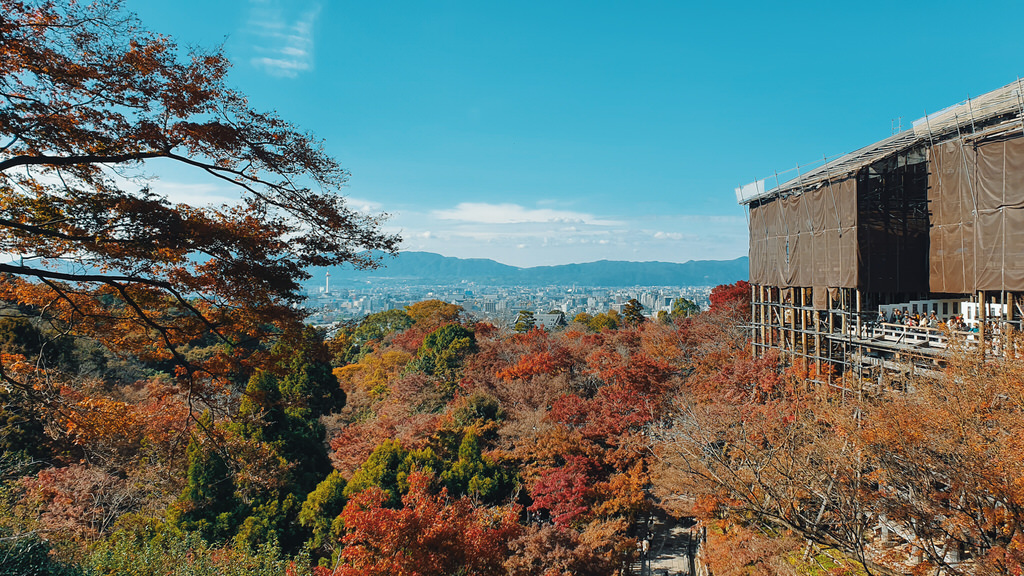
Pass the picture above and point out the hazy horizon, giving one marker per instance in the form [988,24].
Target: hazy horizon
[386,259]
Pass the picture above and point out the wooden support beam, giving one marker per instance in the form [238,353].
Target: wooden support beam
[803,321]
[764,331]
[1011,314]
[844,320]
[753,320]
[831,316]
[817,349]
[982,316]
[858,313]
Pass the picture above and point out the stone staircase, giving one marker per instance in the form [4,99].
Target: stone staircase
[672,546]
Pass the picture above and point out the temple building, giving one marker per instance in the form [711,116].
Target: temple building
[929,221]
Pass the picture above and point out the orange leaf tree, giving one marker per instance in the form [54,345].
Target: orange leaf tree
[430,534]
[88,98]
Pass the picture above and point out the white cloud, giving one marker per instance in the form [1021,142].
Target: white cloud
[282,40]
[194,194]
[668,235]
[515,214]
[522,236]
[363,205]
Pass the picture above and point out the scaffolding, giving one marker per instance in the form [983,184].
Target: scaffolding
[847,337]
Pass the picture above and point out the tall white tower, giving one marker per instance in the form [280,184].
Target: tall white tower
[327,286]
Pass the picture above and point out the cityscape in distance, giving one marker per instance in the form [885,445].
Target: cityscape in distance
[497,292]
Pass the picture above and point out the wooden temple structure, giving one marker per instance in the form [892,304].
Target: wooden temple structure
[929,220]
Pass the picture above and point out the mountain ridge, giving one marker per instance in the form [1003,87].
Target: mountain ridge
[428,267]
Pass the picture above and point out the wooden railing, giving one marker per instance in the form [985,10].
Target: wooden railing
[903,334]
[929,337]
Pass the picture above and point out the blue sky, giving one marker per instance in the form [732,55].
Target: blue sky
[538,133]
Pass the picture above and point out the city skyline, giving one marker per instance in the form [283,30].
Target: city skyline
[493,303]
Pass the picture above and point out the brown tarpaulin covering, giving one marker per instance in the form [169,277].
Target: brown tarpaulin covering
[808,239]
[819,295]
[977,215]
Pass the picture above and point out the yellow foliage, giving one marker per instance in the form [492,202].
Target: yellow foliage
[374,373]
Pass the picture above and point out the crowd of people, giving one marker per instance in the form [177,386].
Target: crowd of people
[920,320]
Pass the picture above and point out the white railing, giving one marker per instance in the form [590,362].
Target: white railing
[903,334]
[929,337]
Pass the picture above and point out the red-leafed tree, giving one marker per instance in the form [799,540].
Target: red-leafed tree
[564,491]
[731,298]
[429,535]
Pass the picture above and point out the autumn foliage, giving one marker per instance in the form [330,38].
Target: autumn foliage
[428,534]
[164,410]
[436,444]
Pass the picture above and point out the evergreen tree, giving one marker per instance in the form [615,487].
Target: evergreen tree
[633,312]
[388,468]
[321,512]
[525,322]
[683,308]
[207,504]
[475,475]
[442,353]
[278,424]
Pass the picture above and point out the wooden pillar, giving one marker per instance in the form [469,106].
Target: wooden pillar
[817,346]
[982,315]
[787,321]
[858,313]
[831,316]
[844,320]
[753,320]
[792,317]
[764,330]
[758,329]
[803,321]
[777,322]
[1011,313]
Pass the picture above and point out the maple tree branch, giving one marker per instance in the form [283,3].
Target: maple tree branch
[54,275]
[64,296]
[163,330]
[114,281]
[217,171]
[74,160]
[14,140]
[42,231]
[223,173]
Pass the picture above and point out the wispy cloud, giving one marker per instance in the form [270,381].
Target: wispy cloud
[523,236]
[363,205]
[514,214]
[282,38]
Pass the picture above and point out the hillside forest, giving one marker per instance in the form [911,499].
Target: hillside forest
[418,442]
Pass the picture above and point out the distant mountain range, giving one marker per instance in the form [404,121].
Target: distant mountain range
[426,267]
